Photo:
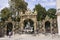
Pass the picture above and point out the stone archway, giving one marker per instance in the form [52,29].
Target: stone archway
[28,26]
[9,28]
[47,27]
[28,15]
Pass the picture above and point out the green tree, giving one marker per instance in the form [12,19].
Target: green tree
[51,13]
[5,13]
[41,12]
[20,5]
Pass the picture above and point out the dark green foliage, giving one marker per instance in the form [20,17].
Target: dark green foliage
[51,13]
[41,12]
[20,5]
[5,13]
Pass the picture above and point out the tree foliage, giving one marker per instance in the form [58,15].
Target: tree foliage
[51,13]
[41,12]
[20,5]
[5,13]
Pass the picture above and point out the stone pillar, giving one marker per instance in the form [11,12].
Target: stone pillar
[44,30]
[34,27]
[22,26]
[58,22]
[13,28]
[5,28]
[58,14]
[51,27]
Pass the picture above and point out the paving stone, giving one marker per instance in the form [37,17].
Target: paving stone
[31,37]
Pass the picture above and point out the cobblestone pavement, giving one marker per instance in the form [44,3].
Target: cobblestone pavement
[32,37]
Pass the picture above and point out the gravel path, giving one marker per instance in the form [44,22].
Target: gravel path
[32,37]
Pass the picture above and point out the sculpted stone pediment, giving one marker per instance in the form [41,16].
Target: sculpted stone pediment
[28,12]
[47,17]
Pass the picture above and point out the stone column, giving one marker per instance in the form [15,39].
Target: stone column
[22,26]
[58,14]
[51,27]
[58,22]
[13,28]
[44,30]
[34,27]
[5,29]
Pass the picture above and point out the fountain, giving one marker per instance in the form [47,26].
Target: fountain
[27,25]
[28,28]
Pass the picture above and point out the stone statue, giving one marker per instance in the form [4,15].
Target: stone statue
[28,25]
[28,28]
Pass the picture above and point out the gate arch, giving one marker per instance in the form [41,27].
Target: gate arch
[28,25]
[47,27]
[9,28]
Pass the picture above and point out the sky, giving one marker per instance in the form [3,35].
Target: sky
[31,3]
